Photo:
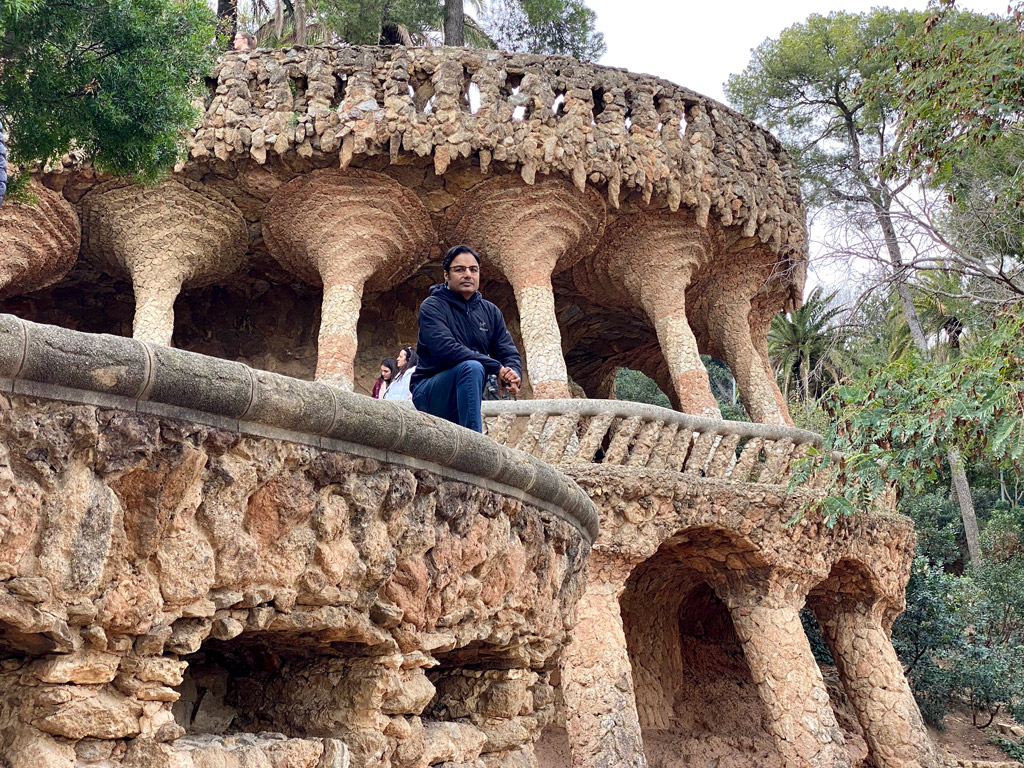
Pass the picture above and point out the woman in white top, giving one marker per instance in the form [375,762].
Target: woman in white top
[399,389]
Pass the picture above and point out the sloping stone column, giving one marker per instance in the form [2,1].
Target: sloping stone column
[727,314]
[647,261]
[531,232]
[597,680]
[165,237]
[873,679]
[347,230]
[765,610]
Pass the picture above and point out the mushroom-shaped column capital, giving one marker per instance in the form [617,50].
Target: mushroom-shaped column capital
[647,260]
[40,242]
[171,235]
[347,230]
[530,232]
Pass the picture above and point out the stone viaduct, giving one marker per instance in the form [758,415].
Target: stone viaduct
[216,551]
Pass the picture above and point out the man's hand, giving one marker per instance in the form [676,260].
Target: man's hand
[511,380]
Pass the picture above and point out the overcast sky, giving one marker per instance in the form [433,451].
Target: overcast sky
[699,44]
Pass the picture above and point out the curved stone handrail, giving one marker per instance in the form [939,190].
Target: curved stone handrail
[542,114]
[56,363]
[614,432]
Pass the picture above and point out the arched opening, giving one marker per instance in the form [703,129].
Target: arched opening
[696,698]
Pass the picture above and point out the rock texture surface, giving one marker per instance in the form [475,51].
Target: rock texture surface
[273,601]
[690,647]
[40,242]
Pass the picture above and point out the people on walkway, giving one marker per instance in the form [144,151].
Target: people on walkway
[388,369]
[399,388]
[462,339]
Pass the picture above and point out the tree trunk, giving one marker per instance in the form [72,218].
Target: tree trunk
[227,19]
[299,11]
[454,23]
[961,487]
[805,381]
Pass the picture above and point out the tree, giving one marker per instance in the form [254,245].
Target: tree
[808,344]
[112,78]
[563,27]
[808,86]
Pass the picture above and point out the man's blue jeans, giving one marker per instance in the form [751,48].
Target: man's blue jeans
[454,394]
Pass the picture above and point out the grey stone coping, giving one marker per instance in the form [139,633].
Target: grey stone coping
[112,371]
[626,409]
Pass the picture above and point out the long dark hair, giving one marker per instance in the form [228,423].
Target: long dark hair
[391,364]
[411,359]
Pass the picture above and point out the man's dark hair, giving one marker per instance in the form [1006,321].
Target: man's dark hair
[458,250]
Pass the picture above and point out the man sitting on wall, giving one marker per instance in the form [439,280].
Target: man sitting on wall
[462,340]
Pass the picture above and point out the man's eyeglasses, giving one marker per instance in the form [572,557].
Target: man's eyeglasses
[461,270]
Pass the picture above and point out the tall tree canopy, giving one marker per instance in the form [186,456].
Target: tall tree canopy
[563,27]
[113,78]
[814,87]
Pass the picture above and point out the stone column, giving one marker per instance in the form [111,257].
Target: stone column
[529,233]
[169,236]
[647,261]
[728,313]
[597,681]
[873,679]
[766,616]
[347,230]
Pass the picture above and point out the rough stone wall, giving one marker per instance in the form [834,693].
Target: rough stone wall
[332,596]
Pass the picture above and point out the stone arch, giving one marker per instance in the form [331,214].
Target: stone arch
[695,693]
[40,242]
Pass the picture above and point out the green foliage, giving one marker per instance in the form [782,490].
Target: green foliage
[819,647]
[636,387]
[114,78]
[960,639]
[560,27]
[958,81]
[805,346]
[899,422]
[1012,747]
[806,86]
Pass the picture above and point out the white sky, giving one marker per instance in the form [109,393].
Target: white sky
[699,44]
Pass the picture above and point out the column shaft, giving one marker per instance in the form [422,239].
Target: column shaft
[597,682]
[542,340]
[337,341]
[788,680]
[873,679]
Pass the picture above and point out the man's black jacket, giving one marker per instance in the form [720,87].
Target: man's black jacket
[453,330]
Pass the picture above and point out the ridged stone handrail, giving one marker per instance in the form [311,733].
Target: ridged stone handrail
[542,114]
[613,432]
[112,371]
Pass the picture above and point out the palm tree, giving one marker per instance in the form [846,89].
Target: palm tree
[807,344]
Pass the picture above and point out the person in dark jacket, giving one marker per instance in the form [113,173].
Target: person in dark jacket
[462,340]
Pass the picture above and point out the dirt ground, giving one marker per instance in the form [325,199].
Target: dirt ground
[961,739]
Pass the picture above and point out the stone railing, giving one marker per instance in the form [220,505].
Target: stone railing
[97,369]
[613,432]
[541,114]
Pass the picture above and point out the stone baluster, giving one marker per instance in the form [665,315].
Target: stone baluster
[593,437]
[749,458]
[347,230]
[164,237]
[701,453]
[622,440]
[557,440]
[40,242]
[646,261]
[666,440]
[765,609]
[529,233]
[597,679]
[873,679]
